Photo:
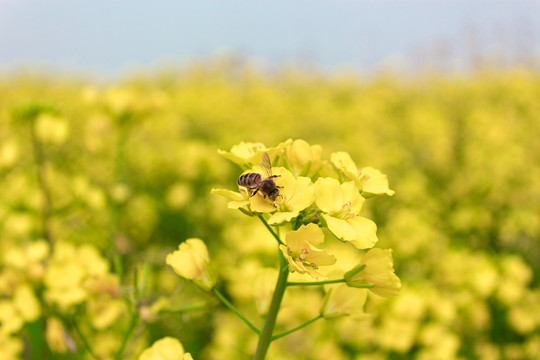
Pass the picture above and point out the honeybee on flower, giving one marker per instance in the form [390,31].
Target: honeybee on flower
[254,181]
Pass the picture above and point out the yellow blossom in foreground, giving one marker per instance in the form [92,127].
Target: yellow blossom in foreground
[167,348]
[341,300]
[249,153]
[376,268]
[302,256]
[191,262]
[296,194]
[340,204]
[303,158]
[369,180]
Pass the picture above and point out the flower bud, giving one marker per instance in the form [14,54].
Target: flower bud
[191,262]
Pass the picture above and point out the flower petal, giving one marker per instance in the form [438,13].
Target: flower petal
[310,233]
[375,182]
[366,232]
[359,231]
[340,228]
[328,194]
[281,217]
[303,196]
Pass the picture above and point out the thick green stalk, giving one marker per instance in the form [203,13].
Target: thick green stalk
[270,322]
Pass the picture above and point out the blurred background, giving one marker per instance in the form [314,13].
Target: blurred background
[111,114]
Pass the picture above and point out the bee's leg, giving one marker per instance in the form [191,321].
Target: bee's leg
[256,190]
[274,176]
[279,187]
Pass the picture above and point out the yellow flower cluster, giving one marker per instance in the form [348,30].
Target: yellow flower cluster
[309,202]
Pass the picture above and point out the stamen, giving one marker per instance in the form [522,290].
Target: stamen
[347,204]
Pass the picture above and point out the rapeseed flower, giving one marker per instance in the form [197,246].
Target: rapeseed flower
[301,253]
[340,204]
[370,181]
[377,269]
[295,194]
[248,154]
[191,261]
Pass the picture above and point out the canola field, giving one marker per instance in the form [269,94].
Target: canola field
[100,182]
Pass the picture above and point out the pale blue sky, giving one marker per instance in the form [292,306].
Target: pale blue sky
[110,36]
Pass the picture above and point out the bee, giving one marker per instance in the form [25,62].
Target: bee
[254,181]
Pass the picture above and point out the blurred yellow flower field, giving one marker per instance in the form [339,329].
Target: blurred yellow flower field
[100,182]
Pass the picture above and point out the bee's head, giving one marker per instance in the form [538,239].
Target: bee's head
[272,195]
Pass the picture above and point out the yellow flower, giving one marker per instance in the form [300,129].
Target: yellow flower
[368,179]
[376,268]
[191,262]
[248,153]
[303,158]
[341,300]
[340,204]
[167,348]
[302,256]
[296,194]
[26,303]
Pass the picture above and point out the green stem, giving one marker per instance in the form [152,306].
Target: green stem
[127,335]
[275,337]
[305,283]
[234,310]
[270,229]
[270,322]
[84,341]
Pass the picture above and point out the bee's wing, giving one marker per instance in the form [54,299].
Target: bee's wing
[266,166]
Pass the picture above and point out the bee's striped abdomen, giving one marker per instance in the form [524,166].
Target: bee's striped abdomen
[249,180]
